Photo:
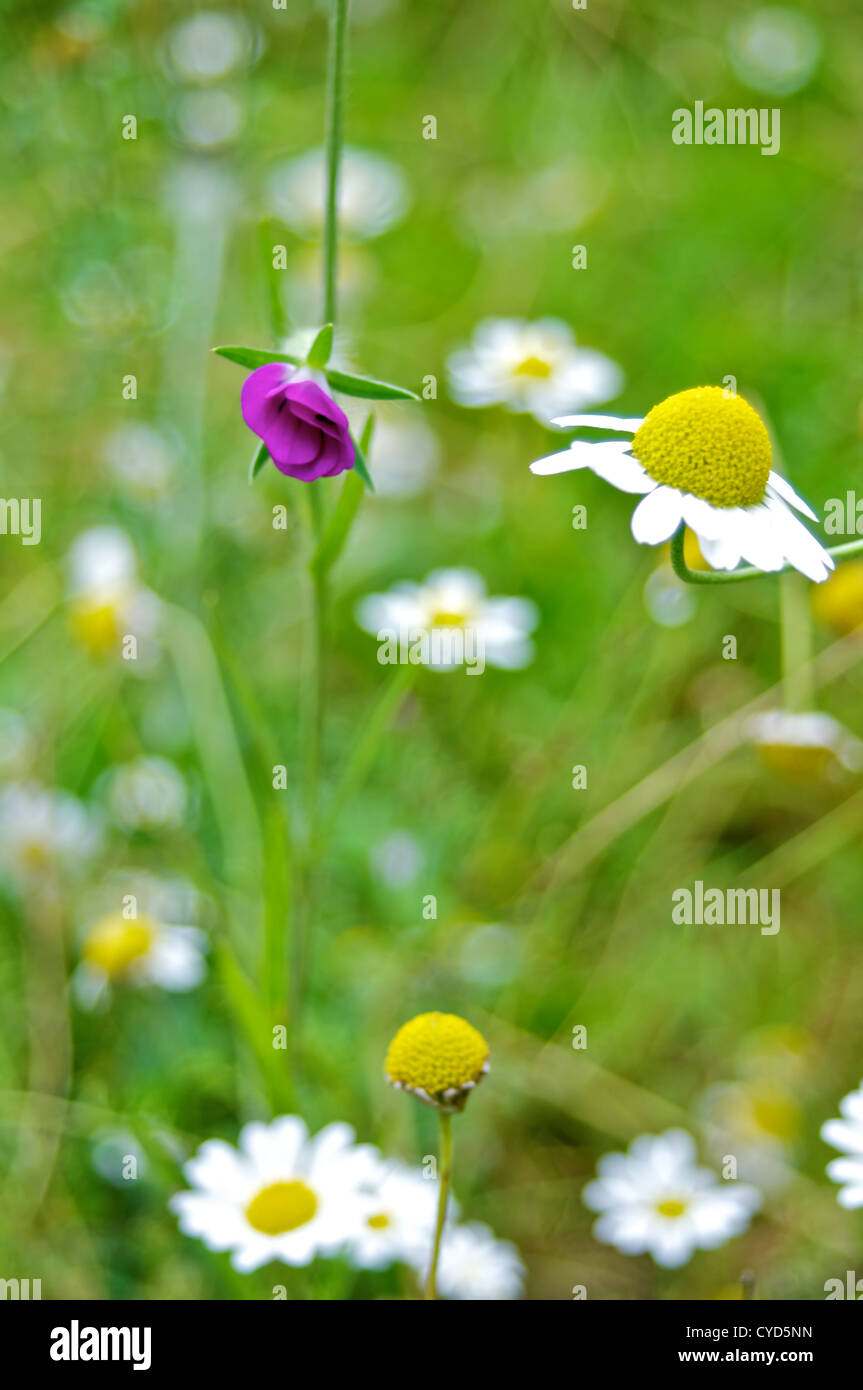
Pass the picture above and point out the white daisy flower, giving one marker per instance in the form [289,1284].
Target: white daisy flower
[474,1265]
[147,940]
[758,1123]
[373,194]
[807,747]
[107,602]
[398,1217]
[531,367]
[702,458]
[42,828]
[847,1136]
[656,1200]
[453,602]
[147,794]
[141,461]
[279,1196]
[405,454]
[208,46]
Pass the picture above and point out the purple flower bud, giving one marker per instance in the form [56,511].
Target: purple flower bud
[306,433]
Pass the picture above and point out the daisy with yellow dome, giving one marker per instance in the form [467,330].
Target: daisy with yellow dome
[702,459]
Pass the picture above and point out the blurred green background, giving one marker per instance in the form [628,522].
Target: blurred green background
[134,257]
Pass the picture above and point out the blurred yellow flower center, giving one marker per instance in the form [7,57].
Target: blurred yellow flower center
[281,1207]
[448,619]
[775,1115]
[533,367]
[379,1222]
[671,1208]
[436,1052]
[797,762]
[95,623]
[839,601]
[113,944]
[706,443]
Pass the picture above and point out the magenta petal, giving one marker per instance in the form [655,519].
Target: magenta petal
[261,394]
[314,406]
[291,439]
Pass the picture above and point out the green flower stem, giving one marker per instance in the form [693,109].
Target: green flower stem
[335,120]
[444,1178]
[682,570]
[795,624]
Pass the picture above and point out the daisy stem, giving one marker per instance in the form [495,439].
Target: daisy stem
[682,570]
[796,630]
[443,1199]
[334,128]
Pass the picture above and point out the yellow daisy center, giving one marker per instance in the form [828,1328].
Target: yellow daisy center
[535,367]
[803,763]
[839,602]
[281,1207]
[448,619]
[775,1115]
[96,624]
[436,1053]
[113,944]
[379,1222]
[672,1208]
[707,443]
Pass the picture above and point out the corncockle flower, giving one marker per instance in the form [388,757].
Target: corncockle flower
[475,1265]
[701,457]
[847,1136]
[806,747]
[280,1196]
[531,367]
[656,1200]
[306,434]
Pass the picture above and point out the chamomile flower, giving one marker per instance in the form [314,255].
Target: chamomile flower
[656,1200]
[107,603]
[702,458]
[373,194]
[43,829]
[398,1217]
[847,1136]
[756,1121]
[439,1058]
[805,747]
[452,602]
[279,1196]
[144,938]
[148,794]
[474,1265]
[531,367]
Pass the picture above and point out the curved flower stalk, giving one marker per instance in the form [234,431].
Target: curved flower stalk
[702,459]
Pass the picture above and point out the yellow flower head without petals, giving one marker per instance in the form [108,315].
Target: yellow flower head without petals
[439,1058]
[708,443]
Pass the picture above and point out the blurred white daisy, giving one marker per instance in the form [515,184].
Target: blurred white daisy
[399,1207]
[774,49]
[846,1135]
[405,453]
[701,457]
[43,829]
[656,1200]
[805,747]
[531,367]
[373,194]
[279,1196]
[145,938]
[141,461]
[106,601]
[209,120]
[454,602]
[208,46]
[397,859]
[474,1265]
[147,794]
[756,1122]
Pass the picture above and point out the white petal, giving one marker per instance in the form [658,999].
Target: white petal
[720,554]
[598,422]
[787,493]
[563,462]
[657,516]
[612,462]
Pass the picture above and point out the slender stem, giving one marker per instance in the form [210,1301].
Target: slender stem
[682,570]
[796,629]
[444,1178]
[335,116]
